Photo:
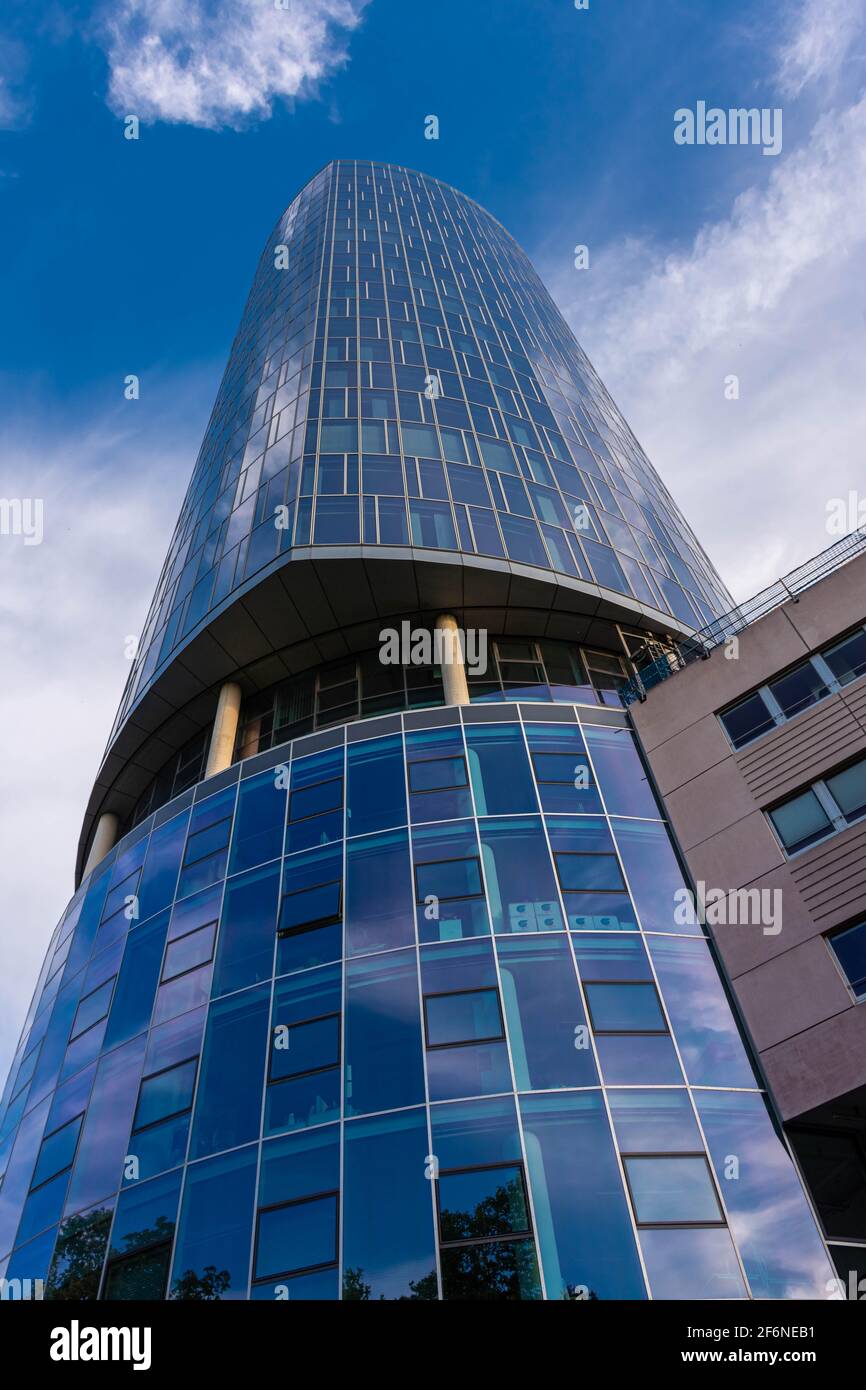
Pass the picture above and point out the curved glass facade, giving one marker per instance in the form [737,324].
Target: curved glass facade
[402,382]
[400,1010]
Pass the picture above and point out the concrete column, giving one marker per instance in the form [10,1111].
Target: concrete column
[103,840]
[453,670]
[225,727]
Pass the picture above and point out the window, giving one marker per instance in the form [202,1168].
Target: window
[781,699]
[828,805]
[188,952]
[485,1234]
[299,1049]
[847,659]
[672,1190]
[589,872]
[849,948]
[92,1009]
[801,821]
[296,1236]
[57,1152]
[449,879]
[438,774]
[470,1016]
[628,1006]
[165,1094]
[311,907]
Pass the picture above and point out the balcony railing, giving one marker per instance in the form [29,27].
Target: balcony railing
[705,639]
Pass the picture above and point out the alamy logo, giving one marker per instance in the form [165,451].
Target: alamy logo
[737,126]
[77,1343]
[416,646]
[22,1289]
[22,516]
[744,907]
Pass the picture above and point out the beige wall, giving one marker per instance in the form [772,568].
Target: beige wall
[808,1029]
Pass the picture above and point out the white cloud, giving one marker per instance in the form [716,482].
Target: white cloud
[772,293]
[110,493]
[220,63]
[14,101]
[818,42]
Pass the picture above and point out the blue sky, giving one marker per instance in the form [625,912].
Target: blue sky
[122,256]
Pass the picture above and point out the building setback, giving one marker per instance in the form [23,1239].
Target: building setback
[372,984]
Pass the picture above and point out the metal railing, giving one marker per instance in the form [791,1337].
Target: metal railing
[705,639]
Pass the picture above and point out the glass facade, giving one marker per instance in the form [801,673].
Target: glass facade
[398,1010]
[397,1004]
[401,380]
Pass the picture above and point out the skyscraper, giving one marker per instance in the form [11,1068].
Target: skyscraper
[373,984]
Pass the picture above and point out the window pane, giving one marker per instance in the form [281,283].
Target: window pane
[188,952]
[848,789]
[310,907]
[455,878]
[546,1024]
[307,1047]
[501,779]
[801,822]
[798,689]
[589,872]
[522,888]
[847,661]
[435,774]
[379,907]
[692,1264]
[213,1244]
[299,1236]
[376,789]
[57,1152]
[672,1189]
[462,1018]
[497,1271]
[625,1008]
[92,1009]
[850,949]
[245,946]
[486,1202]
[384,1058]
[166,1094]
[747,720]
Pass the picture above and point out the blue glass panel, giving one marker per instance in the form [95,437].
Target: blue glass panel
[521,887]
[582,1222]
[211,1260]
[323,1286]
[258,831]
[692,1264]
[159,876]
[770,1218]
[137,981]
[246,940]
[384,1054]
[43,1208]
[57,1151]
[654,1121]
[77,1262]
[156,1149]
[385,1161]
[639,1059]
[471,1133]
[653,874]
[672,1190]
[501,779]
[104,1137]
[145,1215]
[167,1093]
[467,1017]
[379,900]
[708,1038]
[625,1008]
[623,778]
[30,1262]
[546,1024]
[376,786]
[299,1236]
[228,1105]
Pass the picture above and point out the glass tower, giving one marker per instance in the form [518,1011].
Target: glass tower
[377,982]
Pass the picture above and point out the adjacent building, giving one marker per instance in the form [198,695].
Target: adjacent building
[373,984]
[759,753]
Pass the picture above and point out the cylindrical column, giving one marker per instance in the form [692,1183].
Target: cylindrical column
[453,669]
[103,840]
[225,728]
